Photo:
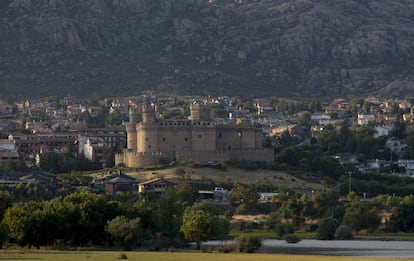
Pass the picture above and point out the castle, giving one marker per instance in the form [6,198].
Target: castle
[197,139]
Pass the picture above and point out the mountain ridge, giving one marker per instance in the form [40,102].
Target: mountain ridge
[241,47]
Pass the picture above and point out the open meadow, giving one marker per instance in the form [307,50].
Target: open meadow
[170,256]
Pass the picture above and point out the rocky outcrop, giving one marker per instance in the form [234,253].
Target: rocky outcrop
[239,47]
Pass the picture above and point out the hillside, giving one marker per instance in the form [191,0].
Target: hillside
[236,47]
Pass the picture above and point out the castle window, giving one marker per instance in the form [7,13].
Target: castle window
[163,139]
[175,123]
[173,146]
[149,146]
[220,135]
[199,136]
[146,139]
[186,139]
[229,147]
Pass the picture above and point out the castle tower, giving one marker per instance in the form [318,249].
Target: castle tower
[147,138]
[148,115]
[131,129]
[199,111]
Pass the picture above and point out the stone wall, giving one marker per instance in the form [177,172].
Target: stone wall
[133,159]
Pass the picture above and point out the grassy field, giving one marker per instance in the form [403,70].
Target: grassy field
[157,256]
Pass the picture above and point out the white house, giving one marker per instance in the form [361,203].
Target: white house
[382,130]
[408,165]
[365,118]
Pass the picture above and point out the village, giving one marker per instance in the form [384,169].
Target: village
[267,165]
[95,131]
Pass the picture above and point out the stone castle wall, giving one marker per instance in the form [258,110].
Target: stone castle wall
[133,159]
[196,140]
[203,156]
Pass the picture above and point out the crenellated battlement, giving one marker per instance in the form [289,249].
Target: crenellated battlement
[197,139]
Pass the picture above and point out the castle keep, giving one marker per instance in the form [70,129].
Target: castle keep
[197,139]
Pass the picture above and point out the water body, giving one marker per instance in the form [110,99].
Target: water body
[355,248]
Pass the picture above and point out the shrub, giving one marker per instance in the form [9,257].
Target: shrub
[291,238]
[122,256]
[344,232]
[283,229]
[248,243]
[226,249]
[243,226]
[326,229]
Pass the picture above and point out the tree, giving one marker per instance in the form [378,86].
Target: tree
[409,140]
[325,202]
[292,156]
[386,202]
[114,118]
[295,209]
[208,207]
[399,129]
[291,238]
[85,215]
[359,216]
[3,234]
[126,232]
[326,229]
[197,226]
[30,223]
[304,119]
[248,243]
[315,106]
[403,216]
[167,214]
[186,193]
[355,105]
[285,139]
[221,228]
[246,196]
[328,139]
[344,232]
[5,201]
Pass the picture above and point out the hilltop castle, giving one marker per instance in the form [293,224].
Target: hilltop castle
[197,139]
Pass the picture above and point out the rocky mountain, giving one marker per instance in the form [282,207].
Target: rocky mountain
[324,48]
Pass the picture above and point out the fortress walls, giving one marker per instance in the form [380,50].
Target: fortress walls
[203,136]
[133,159]
[174,136]
[203,156]
[147,138]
